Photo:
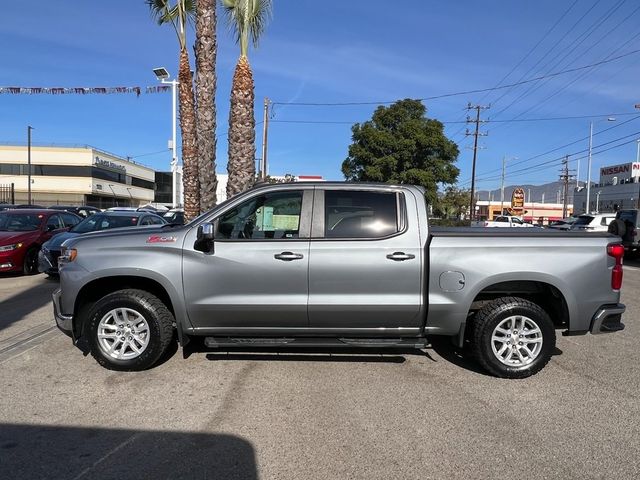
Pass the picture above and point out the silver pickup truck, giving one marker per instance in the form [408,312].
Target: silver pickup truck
[336,264]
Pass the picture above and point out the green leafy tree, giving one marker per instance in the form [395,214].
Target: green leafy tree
[248,19]
[454,202]
[401,145]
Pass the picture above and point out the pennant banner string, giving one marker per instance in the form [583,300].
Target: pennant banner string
[82,90]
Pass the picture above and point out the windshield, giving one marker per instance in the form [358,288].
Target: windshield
[20,222]
[103,222]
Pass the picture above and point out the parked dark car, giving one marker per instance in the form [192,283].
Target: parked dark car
[22,233]
[175,215]
[10,206]
[48,257]
[84,211]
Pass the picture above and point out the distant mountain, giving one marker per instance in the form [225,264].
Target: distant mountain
[532,192]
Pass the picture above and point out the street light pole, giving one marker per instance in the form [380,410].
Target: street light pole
[29,128]
[609,119]
[163,76]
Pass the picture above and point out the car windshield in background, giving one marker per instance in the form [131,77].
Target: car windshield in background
[22,222]
[583,220]
[104,222]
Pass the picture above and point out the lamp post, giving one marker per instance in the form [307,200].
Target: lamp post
[504,164]
[598,201]
[163,76]
[29,128]
[609,119]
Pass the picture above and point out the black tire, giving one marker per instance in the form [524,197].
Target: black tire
[30,263]
[617,227]
[491,316]
[160,326]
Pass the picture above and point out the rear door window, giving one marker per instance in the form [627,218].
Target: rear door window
[54,223]
[70,220]
[584,220]
[360,214]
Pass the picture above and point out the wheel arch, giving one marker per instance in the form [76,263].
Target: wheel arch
[541,291]
[96,289]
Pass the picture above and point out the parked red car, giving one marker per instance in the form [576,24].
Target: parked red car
[22,233]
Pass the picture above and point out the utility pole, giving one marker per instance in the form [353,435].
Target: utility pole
[565,178]
[29,128]
[475,134]
[504,161]
[265,133]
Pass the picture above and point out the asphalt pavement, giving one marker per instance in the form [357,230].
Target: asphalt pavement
[292,415]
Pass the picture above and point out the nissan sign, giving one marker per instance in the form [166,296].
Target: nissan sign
[625,171]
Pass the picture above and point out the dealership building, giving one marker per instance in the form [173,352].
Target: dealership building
[81,175]
[618,187]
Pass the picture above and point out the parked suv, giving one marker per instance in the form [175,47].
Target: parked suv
[631,219]
[22,232]
[597,222]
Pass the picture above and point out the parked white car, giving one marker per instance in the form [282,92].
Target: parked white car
[595,222]
[503,221]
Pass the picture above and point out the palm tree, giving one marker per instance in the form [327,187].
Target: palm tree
[248,18]
[205,50]
[177,15]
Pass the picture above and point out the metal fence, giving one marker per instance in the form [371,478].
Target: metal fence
[8,193]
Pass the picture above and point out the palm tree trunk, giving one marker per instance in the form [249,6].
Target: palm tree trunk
[190,178]
[242,134]
[205,102]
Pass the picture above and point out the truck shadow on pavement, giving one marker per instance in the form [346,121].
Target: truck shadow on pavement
[74,453]
[462,357]
[18,306]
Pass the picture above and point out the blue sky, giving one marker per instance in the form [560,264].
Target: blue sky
[333,52]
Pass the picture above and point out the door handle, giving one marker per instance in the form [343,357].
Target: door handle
[288,256]
[400,256]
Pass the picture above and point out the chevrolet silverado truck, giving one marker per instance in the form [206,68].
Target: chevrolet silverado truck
[336,264]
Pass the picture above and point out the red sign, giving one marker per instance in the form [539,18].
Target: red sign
[517,199]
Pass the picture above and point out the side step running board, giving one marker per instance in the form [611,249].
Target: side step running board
[221,342]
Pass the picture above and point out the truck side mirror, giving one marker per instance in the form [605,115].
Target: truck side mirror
[205,237]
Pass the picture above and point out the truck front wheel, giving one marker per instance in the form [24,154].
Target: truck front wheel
[513,337]
[129,330]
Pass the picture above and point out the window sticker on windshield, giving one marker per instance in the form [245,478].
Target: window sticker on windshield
[160,239]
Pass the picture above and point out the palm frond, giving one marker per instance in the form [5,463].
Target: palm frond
[247,19]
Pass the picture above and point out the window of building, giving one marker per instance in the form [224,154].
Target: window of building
[360,214]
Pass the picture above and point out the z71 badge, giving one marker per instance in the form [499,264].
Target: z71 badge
[160,239]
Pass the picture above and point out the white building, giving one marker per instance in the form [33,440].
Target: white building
[75,176]
[619,187]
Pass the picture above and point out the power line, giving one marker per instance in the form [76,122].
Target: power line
[561,147]
[453,122]
[476,133]
[467,92]
[553,47]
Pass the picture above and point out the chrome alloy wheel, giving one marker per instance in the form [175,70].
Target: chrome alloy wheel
[123,334]
[516,341]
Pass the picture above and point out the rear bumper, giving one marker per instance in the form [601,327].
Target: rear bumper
[608,319]
[64,322]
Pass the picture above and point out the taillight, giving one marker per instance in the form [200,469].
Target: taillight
[616,251]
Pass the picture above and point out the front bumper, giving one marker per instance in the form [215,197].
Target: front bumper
[608,319]
[64,322]
[48,261]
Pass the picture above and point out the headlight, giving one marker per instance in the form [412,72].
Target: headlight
[8,248]
[67,255]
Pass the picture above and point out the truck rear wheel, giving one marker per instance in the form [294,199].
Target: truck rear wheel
[129,330]
[513,337]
